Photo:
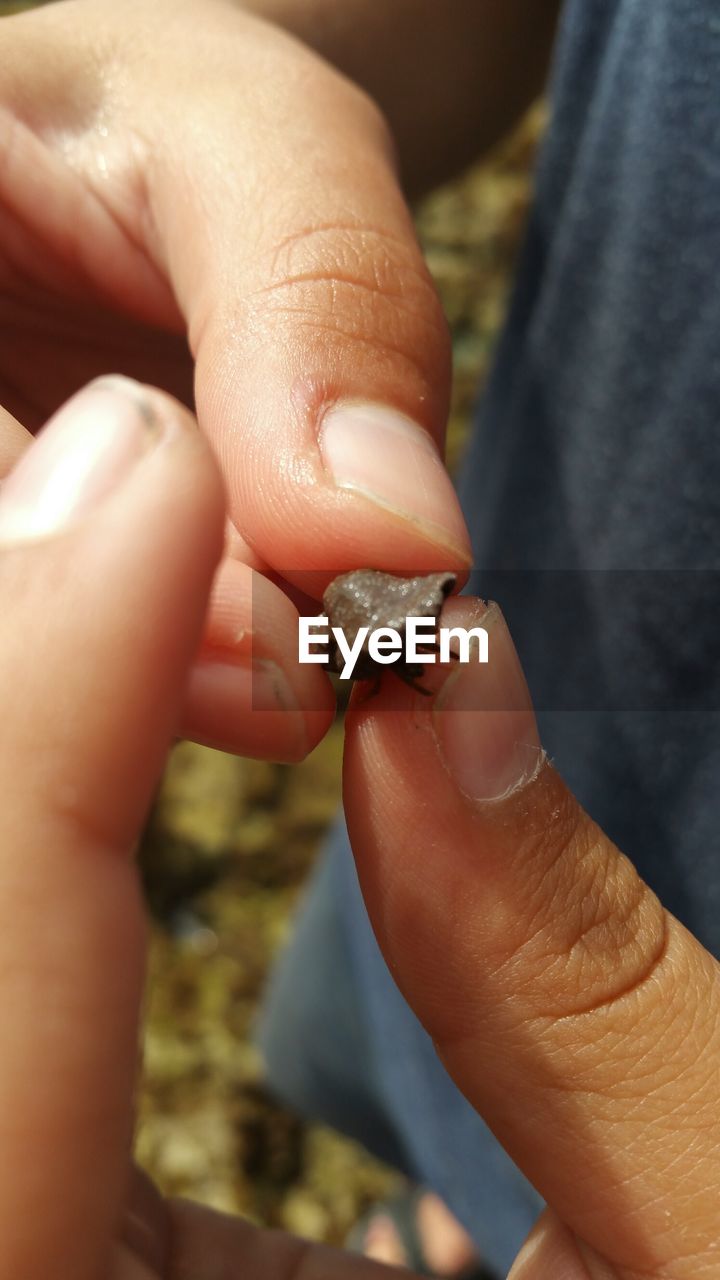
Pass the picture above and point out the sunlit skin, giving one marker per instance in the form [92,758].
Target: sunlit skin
[178,173]
[579,1018]
[155,193]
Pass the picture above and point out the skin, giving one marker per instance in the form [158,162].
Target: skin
[577,1016]
[177,173]
[488,62]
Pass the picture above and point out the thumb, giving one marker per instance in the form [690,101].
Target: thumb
[323,366]
[110,529]
[579,1017]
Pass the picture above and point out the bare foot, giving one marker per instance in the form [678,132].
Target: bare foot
[446,1246]
[382,1242]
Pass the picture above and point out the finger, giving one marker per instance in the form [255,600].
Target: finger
[247,691]
[552,1252]
[271,204]
[322,355]
[110,530]
[579,1017]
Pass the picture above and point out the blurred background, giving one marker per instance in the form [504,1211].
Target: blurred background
[230,842]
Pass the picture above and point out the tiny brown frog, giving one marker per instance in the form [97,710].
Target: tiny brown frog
[371,599]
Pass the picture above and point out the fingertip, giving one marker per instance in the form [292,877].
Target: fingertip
[322,477]
[248,693]
[250,709]
[381,455]
[551,1251]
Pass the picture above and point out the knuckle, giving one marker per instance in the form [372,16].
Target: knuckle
[345,281]
[598,933]
[618,940]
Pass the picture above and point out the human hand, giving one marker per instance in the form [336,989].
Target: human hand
[182,173]
[110,530]
[578,1017]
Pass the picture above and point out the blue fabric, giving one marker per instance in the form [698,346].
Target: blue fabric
[595,456]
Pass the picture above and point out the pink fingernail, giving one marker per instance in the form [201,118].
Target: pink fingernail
[483,717]
[380,453]
[84,452]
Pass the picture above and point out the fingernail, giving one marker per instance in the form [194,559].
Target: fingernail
[385,456]
[483,716]
[263,683]
[227,692]
[271,689]
[84,452]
